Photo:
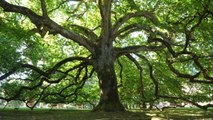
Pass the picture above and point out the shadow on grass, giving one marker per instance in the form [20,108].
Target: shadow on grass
[42,114]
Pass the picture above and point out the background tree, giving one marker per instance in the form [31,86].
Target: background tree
[168,42]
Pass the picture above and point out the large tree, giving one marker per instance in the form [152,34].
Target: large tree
[176,35]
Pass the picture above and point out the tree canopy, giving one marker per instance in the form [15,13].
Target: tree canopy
[117,51]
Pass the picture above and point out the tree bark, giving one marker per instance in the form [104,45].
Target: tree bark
[104,67]
[104,58]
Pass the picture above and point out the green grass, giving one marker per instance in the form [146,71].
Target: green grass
[45,114]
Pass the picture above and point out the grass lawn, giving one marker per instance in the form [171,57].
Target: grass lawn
[44,114]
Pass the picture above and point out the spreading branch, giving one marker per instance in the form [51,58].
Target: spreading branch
[157,92]
[130,29]
[43,73]
[148,15]
[191,78]
[151,74]
[135,49]
[44,9]
[204,107]
[86,32]
[105,11]
[77,83]
[52,26]
[131,58]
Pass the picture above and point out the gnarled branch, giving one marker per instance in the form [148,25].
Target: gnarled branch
[52,26]
[140,73]
[125,18]
[135,49]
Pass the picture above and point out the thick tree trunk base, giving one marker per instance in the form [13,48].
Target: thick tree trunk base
[109,107]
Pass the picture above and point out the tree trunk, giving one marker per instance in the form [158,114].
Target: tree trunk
[104,67]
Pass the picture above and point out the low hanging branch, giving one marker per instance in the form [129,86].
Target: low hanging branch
[45,76]
[174,55]
[21,89]
[192,78]
[140,74]
[38,100]
[204,107]
[158,95]
[44,94]
[151,74]
[79,85]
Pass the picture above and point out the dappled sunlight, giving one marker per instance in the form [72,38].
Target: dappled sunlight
[46,114]
[151,114]
[158,118]
[106,55]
